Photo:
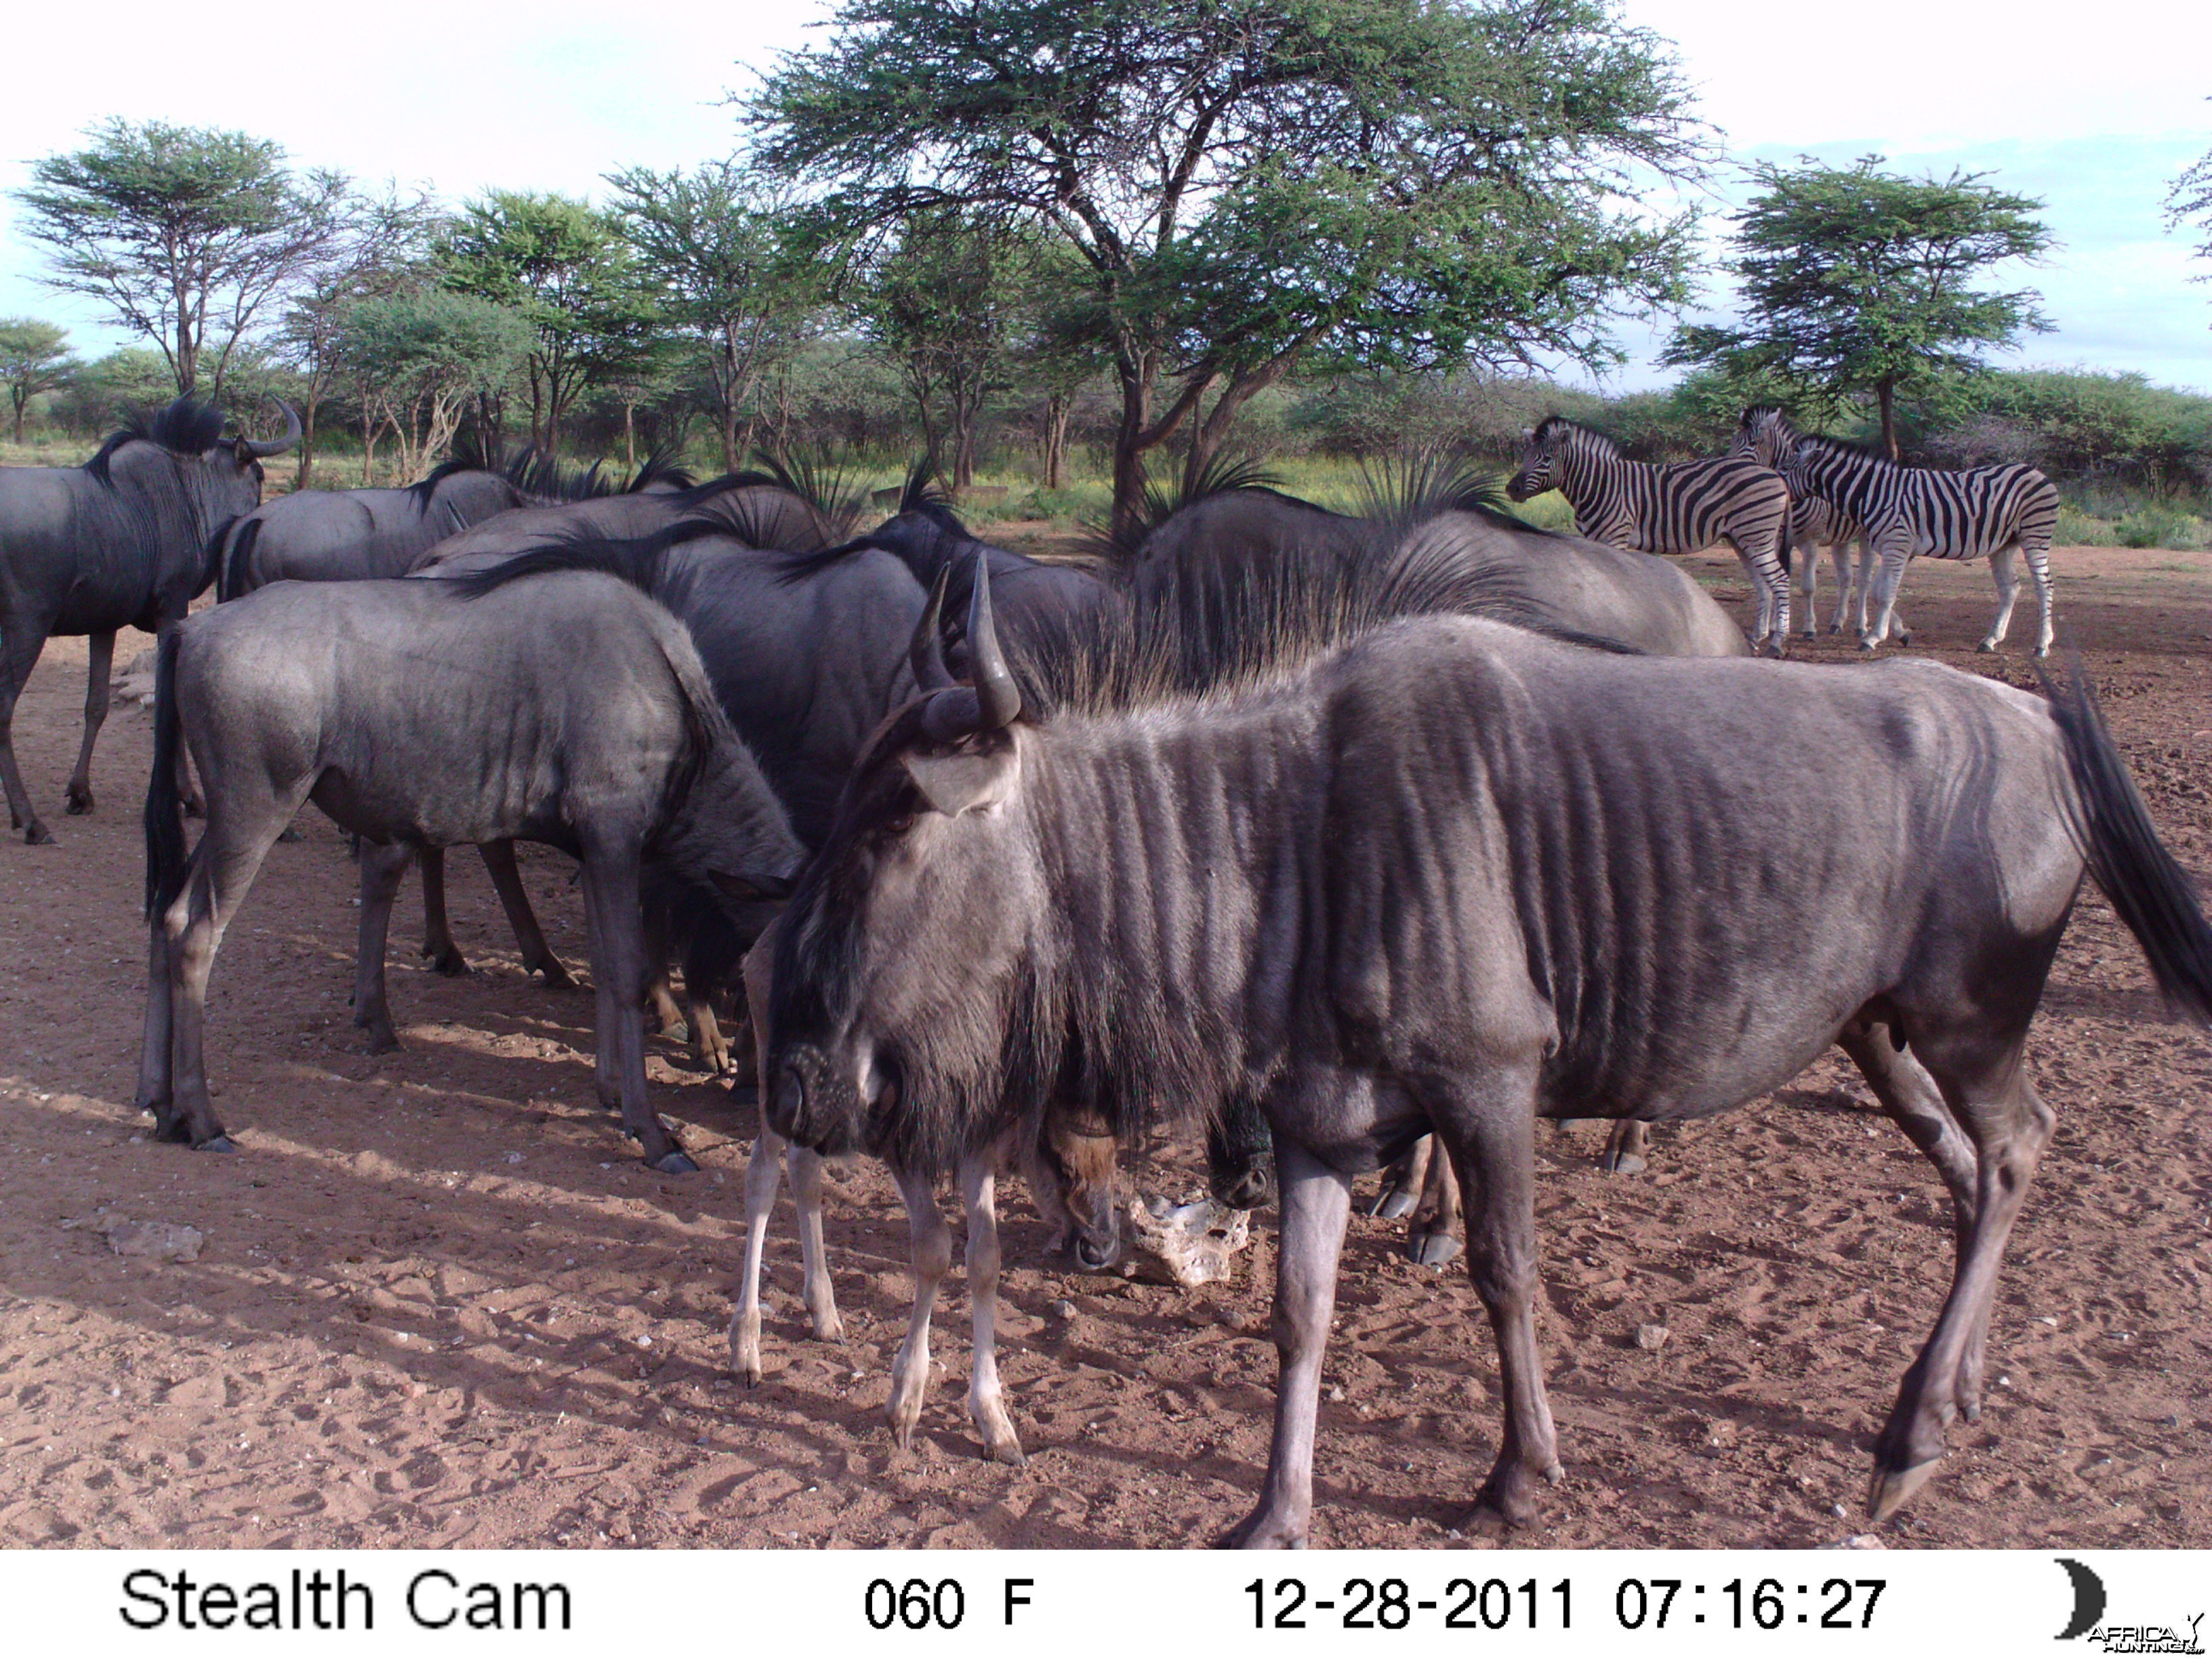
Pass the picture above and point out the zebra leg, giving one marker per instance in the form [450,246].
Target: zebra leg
[1808,572]
[1846,588]
[2008,581]
[1895,556]
[2039,566]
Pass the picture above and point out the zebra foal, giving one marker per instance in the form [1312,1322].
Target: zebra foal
[1909,512]
[1684,507]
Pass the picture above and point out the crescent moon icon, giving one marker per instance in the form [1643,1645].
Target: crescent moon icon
[2088,1599]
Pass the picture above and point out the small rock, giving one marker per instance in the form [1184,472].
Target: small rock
[1336,1394]
[2045,1319]
[1862,1541]
[1838,1510]
[161,1241]
[1064,1308]
[514,1157]
[1652,1338]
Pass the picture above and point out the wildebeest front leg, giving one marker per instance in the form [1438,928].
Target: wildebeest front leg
[438,951]
[932,1258]
[18,656]
[813,1260]
[1316,1202]
[156,1094]
[1625,1147]
[611,901]
[985,1402]
[537,957]
[382,870]
[1493,1143]
[763,1173]
[2009,1126]
[95,714]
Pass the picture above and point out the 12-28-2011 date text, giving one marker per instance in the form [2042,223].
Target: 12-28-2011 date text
[1498,1604]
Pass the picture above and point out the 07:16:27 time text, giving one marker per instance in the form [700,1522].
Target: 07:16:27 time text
[1388,1604]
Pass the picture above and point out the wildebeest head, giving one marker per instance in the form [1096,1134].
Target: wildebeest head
[1073,1177]
[903,961]
[181,445]
[1539,469]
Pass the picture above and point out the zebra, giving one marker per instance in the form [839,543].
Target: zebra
[1685,508]
[1813,525]
[1905,512]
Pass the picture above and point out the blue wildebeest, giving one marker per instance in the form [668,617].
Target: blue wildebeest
[1451,879]
[127,540]
[412,712]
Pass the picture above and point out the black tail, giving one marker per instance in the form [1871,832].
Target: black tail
[243,536]
[2110,822]
[165,806]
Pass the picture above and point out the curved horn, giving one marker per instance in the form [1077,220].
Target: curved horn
[276,446]
[998,699]
[926,653]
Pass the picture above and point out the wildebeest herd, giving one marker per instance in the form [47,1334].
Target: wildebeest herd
[1362,842]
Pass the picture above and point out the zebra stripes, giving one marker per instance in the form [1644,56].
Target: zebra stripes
[1906,513]
[1685,508]
[1814,525]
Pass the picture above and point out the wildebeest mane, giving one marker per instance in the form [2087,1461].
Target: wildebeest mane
[661,466]
[824,483]
[1224,474]
[1197,628]
[182,427]
[1403,492]
[636,560]
[938,534]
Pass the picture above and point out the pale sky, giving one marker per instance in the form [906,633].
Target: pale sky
[2095,119]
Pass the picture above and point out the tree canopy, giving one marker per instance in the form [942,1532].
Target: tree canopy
[34,358]
[1857,281]
[179,230]
[1252,183]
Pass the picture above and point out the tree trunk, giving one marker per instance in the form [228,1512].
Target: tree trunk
[20,401]
[313,401]
[1886,393]
[1055,438]
[629,435]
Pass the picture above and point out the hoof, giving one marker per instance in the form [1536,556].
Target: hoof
[1868,646]
[1506,1500]
[1009,1453]
[38,835]
[1890,1490]
[1987,645]
[555,976]
[1434,1250]
[1261,1531]
[2041,652]
[79,805]
[215,1143]
[292,833]
[674,1164]
[1396,1205]
[1624,1163]
[449,962]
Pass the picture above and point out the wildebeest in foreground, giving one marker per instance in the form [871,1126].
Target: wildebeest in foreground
[1454,879]
[414,715]
[127,540]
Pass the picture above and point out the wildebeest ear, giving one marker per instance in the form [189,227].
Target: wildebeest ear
[751,884]
[965,780]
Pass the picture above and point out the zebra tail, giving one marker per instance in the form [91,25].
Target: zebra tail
[165,806]
[2109,822]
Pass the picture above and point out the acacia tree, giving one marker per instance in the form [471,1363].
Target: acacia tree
[378,250]
[945,303]
[179,230]
[419,358]
[562,265]
[722,245]
[1250,184]
[2190,201]
[34,358]
[1856,282]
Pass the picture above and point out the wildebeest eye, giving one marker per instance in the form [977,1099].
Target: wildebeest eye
[897,825]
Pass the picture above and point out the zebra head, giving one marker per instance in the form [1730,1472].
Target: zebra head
[1539,460]
[1765,435]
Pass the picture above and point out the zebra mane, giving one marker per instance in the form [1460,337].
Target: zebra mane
[1552,424]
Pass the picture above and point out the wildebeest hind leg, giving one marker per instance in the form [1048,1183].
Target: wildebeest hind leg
[95,714]
[537,957]
[1625,1148]
[1492,1142]
[764,1174]
[438,951]
[611,901]
[2009,1126]
[1403,1181]
[239,833]
[932,1258]
[987,1404]
[813,1260]
[1315,1202]
[1432,1237]
[382,870]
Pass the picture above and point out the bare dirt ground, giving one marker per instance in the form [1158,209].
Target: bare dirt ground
[441,1303]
